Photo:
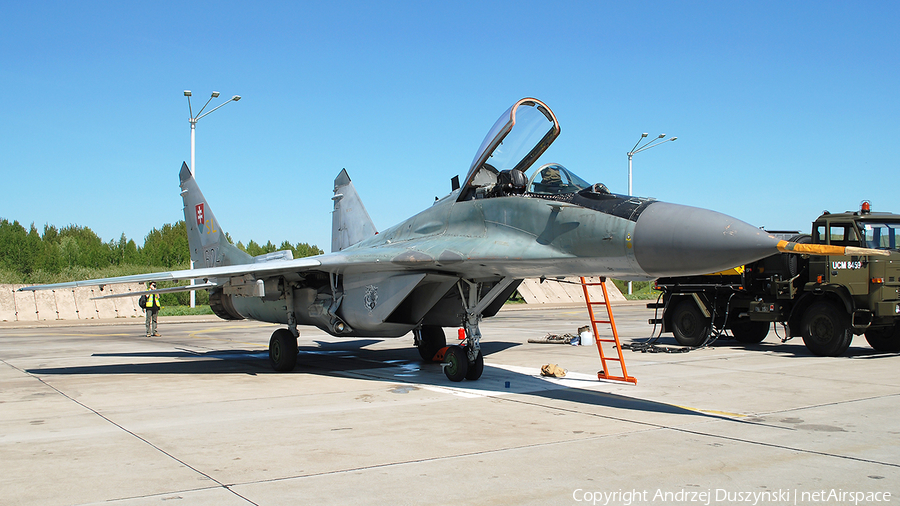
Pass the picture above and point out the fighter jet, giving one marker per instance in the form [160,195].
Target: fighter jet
[458,261]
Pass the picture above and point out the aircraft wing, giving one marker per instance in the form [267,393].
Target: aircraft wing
[258,268]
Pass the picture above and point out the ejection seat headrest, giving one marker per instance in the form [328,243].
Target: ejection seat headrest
[512,181]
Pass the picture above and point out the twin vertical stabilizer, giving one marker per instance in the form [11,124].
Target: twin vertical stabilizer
[350,222]
[209,246]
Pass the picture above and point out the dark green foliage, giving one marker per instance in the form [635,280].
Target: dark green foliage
[300,250]
[28,256]
[12,241]
[81,247]
[167,246]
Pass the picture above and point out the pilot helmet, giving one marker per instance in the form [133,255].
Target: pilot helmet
[550,174]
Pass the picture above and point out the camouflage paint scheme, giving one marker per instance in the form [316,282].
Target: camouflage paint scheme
[457,261]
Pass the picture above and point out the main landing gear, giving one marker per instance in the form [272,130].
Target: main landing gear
[283,346]
[283,350]
[429,339]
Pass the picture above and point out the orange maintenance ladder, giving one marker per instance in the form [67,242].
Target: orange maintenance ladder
[604,373]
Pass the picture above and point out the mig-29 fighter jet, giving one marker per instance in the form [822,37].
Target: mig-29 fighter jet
[458,261]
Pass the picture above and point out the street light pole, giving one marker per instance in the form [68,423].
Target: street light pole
[193,139]
[193,120]
[630,154]
[650,144]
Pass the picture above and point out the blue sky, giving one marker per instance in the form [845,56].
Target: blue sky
[781,109]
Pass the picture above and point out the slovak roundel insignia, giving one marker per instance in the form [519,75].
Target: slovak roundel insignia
[199,209]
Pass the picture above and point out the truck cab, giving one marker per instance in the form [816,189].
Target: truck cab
[869,287]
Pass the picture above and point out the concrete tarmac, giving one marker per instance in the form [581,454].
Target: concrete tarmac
[99,414]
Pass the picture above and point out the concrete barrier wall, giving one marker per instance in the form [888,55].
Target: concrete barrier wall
[569,291]
[68,304]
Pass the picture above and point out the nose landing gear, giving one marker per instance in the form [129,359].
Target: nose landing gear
[466,360]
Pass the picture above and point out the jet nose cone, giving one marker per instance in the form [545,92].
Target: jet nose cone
[675,240]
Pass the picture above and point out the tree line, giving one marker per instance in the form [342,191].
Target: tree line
[75,252]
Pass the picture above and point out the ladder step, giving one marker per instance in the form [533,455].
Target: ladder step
[629,379]
[655,305]
[655,321]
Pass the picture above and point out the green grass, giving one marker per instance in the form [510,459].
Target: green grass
[185,310]
[641,290]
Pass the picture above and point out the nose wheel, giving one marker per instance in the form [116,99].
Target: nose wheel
[456,364]
[475,368]
[466,360]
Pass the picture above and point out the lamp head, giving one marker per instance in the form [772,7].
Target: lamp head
[187,93]
[215,94]
[236,98]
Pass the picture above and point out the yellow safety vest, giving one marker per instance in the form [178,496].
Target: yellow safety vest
[152,300]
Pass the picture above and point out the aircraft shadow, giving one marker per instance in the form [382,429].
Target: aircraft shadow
[325,356]
[352,358]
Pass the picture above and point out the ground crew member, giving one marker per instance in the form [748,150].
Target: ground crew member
[151,310]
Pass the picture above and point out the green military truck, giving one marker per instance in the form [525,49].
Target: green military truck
[824,299]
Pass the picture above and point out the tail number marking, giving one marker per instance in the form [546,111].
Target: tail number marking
[211,256]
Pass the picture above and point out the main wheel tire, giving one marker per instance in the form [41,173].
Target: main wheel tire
[826,329]
[689,325]
[750,332]
[884,339]
[476,368]
[283,350]
[431,339]
[457,364]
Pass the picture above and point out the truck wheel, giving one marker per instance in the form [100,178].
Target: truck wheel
[884,339]
[689,325]
[750,332]
[826,329]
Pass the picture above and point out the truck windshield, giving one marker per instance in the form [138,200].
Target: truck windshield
[881,235]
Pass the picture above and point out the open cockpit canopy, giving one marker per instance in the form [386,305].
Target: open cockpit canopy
[514,143]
